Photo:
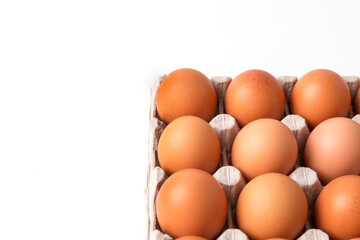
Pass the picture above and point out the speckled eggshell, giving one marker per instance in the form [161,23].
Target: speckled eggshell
[254,94]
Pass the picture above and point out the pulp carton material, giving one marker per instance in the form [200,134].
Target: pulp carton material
[228,176]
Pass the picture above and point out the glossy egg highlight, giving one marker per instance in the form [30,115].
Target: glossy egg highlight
[319,95]
[263,146]
[337,209]
[333,149]
[184,92]
[191,203]
[271,205]
[189,142]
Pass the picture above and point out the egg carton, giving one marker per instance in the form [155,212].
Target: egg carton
[228,176]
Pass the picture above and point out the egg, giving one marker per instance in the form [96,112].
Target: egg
[319,95]
[271,205]
[191,238]
[277,239]
[254,94]
[332,149]
[357,103]
[189,142]
[186,92]
[337,209]
[191,203]
[263,146]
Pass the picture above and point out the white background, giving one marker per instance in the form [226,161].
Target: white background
[74,94]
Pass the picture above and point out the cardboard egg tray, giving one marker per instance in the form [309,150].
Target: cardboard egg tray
[228,176]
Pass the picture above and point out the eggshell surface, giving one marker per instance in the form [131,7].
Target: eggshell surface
[319,95]
[186,92]
[189,142]
[191,203]
[271,205]
[357,103]
[254,94]
[263,146]
[333,149]
[191,238]
[337,209]
[277,239]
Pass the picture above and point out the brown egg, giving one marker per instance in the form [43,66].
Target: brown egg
[186,92]
[277,239]
[191,202]
[263,146]
[254,94]
[337,209]
[189,142]
[271,205]
[319,95]
[333,149]
[191,238]
[357,103]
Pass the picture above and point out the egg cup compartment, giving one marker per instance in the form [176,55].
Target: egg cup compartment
[228,176]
